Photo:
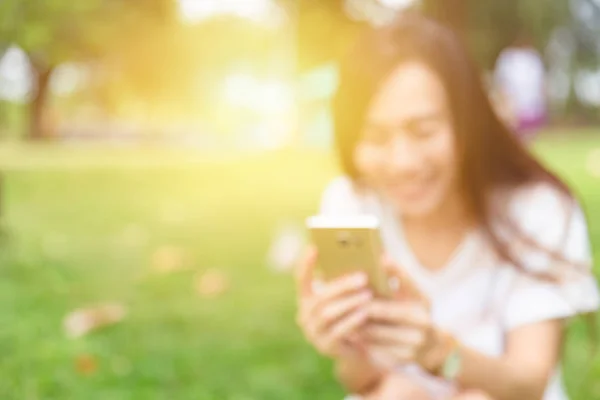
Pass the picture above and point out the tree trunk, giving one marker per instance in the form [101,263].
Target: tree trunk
[3,104]
[576,113]
[37,106]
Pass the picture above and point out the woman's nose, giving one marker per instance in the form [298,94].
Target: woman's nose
[404,154]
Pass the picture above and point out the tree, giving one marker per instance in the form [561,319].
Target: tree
[173,72]
[584,29]
[341,20]
[317,20]
[53,32]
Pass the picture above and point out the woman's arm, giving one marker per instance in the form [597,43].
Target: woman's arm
[403,332]
[357,374]
[523,372]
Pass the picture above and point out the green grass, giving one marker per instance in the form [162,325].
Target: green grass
[83,225]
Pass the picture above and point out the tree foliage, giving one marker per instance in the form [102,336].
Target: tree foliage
[53,32]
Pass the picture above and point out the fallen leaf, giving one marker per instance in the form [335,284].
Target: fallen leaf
[85,320]
[593,163]
[211,283]
[168,259]
[86,364]
[286,249]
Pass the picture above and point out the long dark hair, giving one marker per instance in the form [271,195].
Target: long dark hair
[491,157]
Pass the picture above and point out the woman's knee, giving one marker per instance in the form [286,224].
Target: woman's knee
[473,395]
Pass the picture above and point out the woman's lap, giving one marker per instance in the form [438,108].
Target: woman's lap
[461,396]
[472,395]
[398,387]
[394,387]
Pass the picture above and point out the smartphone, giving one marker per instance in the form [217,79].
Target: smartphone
[349,244]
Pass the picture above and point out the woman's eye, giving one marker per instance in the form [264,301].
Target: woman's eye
[376,136]
[424,131]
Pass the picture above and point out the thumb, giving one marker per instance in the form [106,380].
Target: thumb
[304,272]
[402,284]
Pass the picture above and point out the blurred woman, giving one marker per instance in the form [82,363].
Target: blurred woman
[491,248]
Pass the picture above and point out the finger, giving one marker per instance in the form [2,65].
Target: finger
[342,286]
[311,302]
[316,318]
[335,310]
[345,327]
[305,310]
[472,395]
[354,338]
[304,272]
[317,286]
[311,306]
[402,282]
[399,313]
[381,357]
[382,334]
[391,356]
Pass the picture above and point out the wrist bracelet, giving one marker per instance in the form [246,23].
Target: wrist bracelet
[446,359]
[450,368]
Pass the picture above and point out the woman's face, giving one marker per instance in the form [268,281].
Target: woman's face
[407,150]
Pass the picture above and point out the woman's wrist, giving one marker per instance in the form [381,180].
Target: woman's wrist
[356,371]
[443,345]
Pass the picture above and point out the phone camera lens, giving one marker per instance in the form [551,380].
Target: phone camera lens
[344,239]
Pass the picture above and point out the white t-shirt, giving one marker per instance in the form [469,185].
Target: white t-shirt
[520,74]
[478,298]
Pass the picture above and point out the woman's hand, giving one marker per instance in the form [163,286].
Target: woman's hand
[330,314]
[400,330]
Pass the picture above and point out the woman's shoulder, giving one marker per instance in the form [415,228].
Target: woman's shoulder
[555,221]
[539,199]
[342,196]
[542,203]
[552,218]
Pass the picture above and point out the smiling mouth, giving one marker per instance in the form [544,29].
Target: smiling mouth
[408,191]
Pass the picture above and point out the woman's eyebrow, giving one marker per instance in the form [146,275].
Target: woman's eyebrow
[407,122]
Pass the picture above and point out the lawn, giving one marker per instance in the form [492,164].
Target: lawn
[84,225]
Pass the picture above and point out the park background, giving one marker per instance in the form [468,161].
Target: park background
[158,158]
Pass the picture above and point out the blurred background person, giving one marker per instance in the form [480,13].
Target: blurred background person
[520,87]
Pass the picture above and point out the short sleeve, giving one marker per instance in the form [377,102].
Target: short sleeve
[340,198]
[557,225]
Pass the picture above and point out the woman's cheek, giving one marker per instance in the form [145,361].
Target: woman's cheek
[368,160]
